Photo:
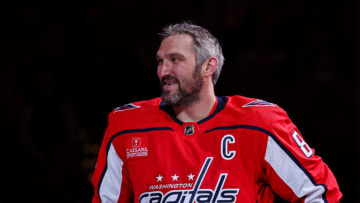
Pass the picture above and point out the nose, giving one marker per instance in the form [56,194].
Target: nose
[163,69]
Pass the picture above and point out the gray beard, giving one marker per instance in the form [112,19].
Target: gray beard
[182,97]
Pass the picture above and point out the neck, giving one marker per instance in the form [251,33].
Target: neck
[199,109]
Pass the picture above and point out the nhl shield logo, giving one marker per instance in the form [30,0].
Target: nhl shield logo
[189,130]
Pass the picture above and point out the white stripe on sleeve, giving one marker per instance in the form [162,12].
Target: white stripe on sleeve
[111,183]
[291,174]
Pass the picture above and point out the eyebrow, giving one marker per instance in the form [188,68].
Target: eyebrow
[173,54]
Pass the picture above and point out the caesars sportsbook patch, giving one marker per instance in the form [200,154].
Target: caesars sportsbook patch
[137,147]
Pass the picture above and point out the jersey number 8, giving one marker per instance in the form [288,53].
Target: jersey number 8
[302,144]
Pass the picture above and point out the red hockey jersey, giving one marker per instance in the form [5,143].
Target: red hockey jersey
[246,150]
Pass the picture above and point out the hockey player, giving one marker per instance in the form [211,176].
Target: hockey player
[193,146]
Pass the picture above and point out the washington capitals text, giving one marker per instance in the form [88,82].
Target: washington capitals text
[195,194]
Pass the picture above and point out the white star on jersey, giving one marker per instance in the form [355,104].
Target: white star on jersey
[159,178]
[191,176]
[175,177]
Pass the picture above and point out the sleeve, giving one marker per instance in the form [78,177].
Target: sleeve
[110,180]
[292,169]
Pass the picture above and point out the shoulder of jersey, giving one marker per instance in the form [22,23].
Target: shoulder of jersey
[246,102]
[136,115]
[136,110]
[255,108]
[251,103]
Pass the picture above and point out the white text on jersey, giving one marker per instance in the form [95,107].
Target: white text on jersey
[195,194]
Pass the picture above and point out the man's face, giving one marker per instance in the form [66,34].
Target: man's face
[179,78]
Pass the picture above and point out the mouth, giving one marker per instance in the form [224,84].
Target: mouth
[168,82]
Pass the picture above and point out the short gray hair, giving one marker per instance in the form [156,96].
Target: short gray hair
[204,43]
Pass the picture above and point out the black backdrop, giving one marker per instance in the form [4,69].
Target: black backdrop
[66,64]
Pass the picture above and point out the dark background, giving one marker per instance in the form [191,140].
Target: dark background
[66,64]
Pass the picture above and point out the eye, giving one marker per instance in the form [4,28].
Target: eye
[159,61]
[174,60]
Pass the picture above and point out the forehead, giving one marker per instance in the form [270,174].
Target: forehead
[181,43]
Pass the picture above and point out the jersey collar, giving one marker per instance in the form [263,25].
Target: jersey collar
[221,102]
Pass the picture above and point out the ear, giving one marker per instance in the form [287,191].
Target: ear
[210,66]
